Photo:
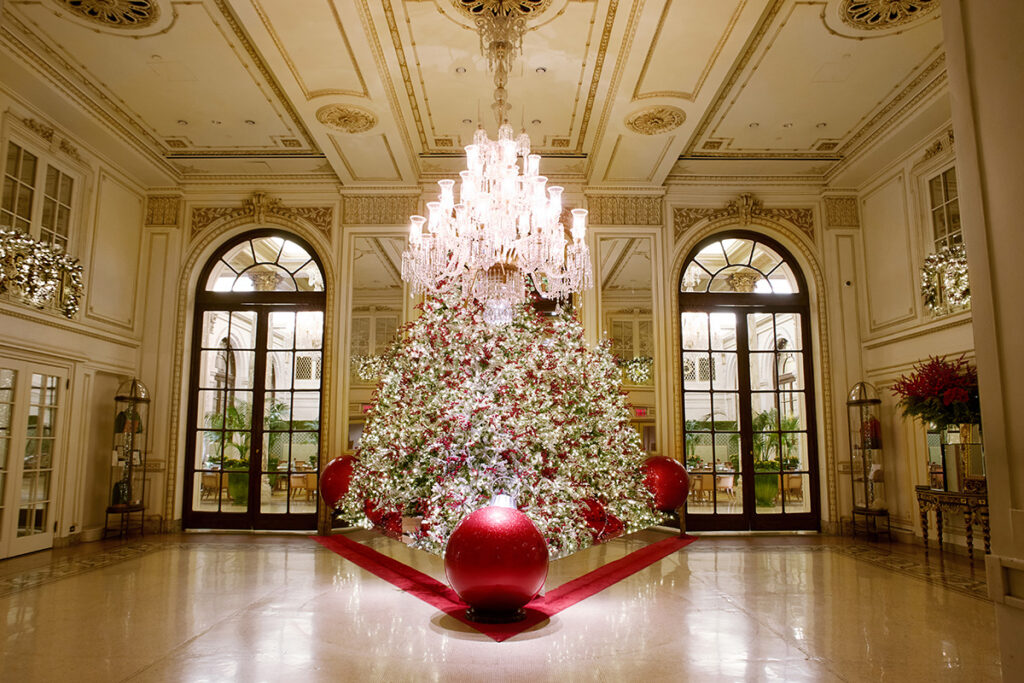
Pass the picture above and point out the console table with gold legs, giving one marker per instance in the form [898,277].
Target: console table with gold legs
[973,506]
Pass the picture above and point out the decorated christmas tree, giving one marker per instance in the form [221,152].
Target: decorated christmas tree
[466,410]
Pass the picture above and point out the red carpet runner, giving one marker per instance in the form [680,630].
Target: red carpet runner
[442,597]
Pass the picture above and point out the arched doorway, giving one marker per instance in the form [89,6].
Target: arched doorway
[253,444]
[747,385]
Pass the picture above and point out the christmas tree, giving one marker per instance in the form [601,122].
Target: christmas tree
[466,410]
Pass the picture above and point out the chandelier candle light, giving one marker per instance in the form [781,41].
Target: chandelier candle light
[506,226]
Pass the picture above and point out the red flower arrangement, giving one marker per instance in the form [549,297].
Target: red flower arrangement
[940,391]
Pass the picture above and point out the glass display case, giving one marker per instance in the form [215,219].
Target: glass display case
[867,473]
[128,458]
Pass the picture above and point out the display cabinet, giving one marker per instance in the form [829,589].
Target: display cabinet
[128,458]
[867,472]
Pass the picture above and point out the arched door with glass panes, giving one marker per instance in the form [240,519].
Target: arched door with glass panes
[253,447]
[747,387]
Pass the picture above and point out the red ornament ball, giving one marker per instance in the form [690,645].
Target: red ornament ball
[595,516]
[667,480]
[335,479]
[389,522]
[496,560]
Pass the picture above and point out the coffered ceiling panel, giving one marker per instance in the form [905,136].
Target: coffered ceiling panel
[315,46]
[807,90]
[367,158]
[191,89]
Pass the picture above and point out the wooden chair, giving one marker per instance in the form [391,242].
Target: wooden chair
[209,482]
[794,487]
[724,483]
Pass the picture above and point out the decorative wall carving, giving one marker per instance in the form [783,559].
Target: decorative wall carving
[346,118]
[260,207]
[744,208]
[883,14]
[69,149]
[40,129]
[655,120]
[624,210]
[943,144]
[162,210]
[378,209]
[117,13]
[523,8]
[841,212]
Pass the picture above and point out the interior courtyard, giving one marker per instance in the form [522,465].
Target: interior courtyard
[205,253]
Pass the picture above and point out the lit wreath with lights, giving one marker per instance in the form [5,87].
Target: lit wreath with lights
[638,370]
[944,280]
[39,274]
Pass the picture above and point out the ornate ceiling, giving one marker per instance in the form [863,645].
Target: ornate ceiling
[386,92]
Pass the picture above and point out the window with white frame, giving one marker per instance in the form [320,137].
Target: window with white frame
[944,202]
[36,197]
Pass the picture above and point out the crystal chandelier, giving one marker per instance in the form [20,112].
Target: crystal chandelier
[506,227]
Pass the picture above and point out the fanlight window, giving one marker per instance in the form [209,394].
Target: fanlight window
[739,266]
[266,264]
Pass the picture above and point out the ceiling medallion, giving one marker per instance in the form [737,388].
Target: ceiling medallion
[655,120]
[346,118]
[881,14]
[118,13]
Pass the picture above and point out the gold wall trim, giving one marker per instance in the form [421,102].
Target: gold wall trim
[163,210]
[744,209]
[841,212]
[625,210]
[260,207]
[378,209]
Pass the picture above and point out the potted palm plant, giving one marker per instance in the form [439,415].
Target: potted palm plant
[767,457]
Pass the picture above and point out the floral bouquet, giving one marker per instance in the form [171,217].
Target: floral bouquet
[940,391]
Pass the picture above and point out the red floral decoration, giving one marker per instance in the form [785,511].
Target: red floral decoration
[940,391]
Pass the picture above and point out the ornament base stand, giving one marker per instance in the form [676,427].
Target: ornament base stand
[482,616]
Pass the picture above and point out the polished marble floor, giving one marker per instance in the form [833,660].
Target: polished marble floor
[239,607]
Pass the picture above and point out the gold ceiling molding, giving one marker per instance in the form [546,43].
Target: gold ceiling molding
[744,208]
[624,210]
[378,209]
[655,120]
[69,149]
[114,13]
[884,14]
[162,210]
[260,208]
[346,118]
[841,212]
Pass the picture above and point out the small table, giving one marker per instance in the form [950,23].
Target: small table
[973,506]
[126,511]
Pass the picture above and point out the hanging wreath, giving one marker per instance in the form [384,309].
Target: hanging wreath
[368,368]
[638,369]
[944,280]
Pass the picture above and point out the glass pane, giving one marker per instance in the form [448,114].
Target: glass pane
[267,249]
[783,281]
[240,257]
[275,451]
[762,370]
[28,169]
[209,450]
[727,451]
[935,191]
[791,370]
[306,410]
[293,256]
[281,330]
[696,370]
[210,408]
[700,453]
[277,412]
[760,332]
[13,156]
[695,331]
[308,368]
[788,331]
[766,493]
[738,251]
[939,223]
[766,451]
[712,257]
[726,411]
[794,451]
[949,180]
[24,208]
[52,181]
[310,330]
[723,331]
[304,451]
[7,204]
[274,494]
[702,491]
[764,258]
[41,492]
[793,410]
[208,488]
[4,446]
[724,371]
[45,454]
[309,279]
[728,494]
[49,209]
[697,406]
[236,450]
[695,279]
[243,329]
[279,370]
[237,492]
[795,492]
[763,415]
[954,217]
[66,185]
[63,218]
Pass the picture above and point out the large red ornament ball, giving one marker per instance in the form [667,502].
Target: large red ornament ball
[496,560]
[667,480]
[335,479]
[389,522]
[595,516]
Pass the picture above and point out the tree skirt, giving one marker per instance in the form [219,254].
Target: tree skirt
[437,594]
